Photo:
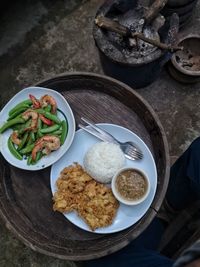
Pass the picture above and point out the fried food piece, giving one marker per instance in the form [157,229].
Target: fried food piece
[77,191]
[98,206]
[65,201]
[70,184]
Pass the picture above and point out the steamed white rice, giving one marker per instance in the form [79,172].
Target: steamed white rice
[103,160]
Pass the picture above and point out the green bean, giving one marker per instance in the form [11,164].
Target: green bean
[44,126]
[10,123]
[57,132]
[48,115]
[52,117]
[30,140]
[39,155]
[13,150]
[39,127]
[32,136]
[23,141]
[50,129]
[27,103]
[24,126]
[39,124]
[29,160]
[39,134]
[17,127]
[64,131]
[27,149]
[17,112]
[48,108]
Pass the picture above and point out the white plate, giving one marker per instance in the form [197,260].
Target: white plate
[54,156]
[126,215]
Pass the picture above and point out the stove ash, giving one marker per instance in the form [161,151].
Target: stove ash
[125,49]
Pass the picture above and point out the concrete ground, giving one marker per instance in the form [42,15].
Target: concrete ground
[39,39]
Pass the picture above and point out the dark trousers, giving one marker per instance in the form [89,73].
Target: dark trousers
[183,189]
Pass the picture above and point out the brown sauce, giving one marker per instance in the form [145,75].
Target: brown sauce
[131,184]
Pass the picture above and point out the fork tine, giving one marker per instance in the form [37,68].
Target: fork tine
[132,156]
[129,157]
[134,153]
[131,151]
[133,148]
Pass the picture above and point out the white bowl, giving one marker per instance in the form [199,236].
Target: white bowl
[55,155]
[119,197]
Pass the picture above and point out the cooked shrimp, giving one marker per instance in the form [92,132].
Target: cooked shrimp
[35,101]
[14,137]
[47,99]
[46,144]
[31,114]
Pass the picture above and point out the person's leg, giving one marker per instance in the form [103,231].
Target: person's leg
[141,252]
[151,237]
[184,183]
[139,257]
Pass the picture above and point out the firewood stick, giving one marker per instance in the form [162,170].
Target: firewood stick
[114,26]
[153,10]
[156,42]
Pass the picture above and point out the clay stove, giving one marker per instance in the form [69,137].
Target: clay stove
[133,60]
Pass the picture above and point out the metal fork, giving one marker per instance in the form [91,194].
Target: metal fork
[131,151]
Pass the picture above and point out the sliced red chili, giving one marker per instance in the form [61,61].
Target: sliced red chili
[36,103]
[45,120]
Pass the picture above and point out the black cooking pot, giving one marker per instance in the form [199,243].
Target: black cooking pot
[138,72]
[184,9]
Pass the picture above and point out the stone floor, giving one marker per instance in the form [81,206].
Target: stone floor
[39,39]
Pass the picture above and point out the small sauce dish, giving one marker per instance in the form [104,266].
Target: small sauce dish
[130,186]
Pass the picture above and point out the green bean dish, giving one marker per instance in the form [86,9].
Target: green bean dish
[37,129]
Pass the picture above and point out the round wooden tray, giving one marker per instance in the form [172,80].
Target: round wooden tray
[26,198]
